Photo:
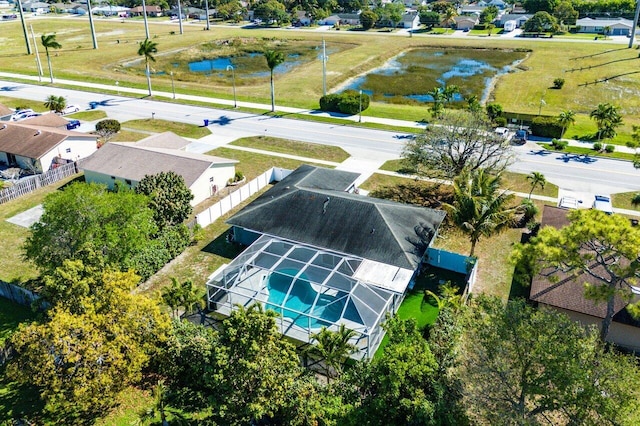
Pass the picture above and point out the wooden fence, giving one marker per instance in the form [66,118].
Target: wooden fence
[30,184]
[234,199]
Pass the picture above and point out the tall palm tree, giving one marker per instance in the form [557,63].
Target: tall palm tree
[480,208]
[566,118]
[607,118]
[147,49]
[437,107]
[55,103]
[334,348]
[49,41]
[536,179]
[274,58]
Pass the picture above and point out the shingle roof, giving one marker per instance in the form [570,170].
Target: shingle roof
[164,140]
[46,120]
[605,22]
[128,161]
[34,141]
[568,291]
[311,208]
[4,110]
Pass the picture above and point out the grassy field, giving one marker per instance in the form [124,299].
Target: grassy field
[159,126]
[302,149]
[584,66]
[92,115]
[127,135]
[379,180]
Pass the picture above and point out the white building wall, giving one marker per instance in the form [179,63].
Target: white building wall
[217,175]
[78,149]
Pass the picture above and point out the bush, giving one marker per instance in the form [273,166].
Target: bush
[559,145]
[500,121]
[347,102]
[597,146]
[610,148]
[547,127]
[494,111]
[558,83]
[636,199]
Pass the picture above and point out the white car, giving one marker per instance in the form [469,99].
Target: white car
[19,115]
[70,109]
[603,204]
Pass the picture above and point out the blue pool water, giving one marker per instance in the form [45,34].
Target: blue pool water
[301,298]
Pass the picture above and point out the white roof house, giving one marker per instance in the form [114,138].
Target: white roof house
[617,26]
[129,163]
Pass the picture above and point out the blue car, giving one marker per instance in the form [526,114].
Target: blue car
[73,124]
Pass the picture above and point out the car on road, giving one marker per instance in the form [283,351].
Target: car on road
[603,204]
[20,114]
[70,109]
[73,124]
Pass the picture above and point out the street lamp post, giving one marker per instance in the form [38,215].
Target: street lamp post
[173,87]
[360,109]
[233,79]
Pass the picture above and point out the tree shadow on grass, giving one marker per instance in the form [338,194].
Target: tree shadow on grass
[19,402]
[222,247]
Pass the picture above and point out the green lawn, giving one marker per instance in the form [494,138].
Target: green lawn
[160,126]
[126,135]
[92,115]
[302,149]
[415,305]
[378,180]
[518,182]
[623,200]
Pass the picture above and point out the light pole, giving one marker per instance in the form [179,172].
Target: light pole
[173,87]
[233,79]
[144,14]
[360,109]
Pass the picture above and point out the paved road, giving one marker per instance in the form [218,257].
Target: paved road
[567,171]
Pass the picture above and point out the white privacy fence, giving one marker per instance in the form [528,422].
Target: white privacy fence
[234,199]
[30,184]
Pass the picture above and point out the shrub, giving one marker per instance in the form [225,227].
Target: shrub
[558,83]
[107,128]
[559,145]
[500,121]
[597,146]
[547,127]
[635,200]
[494,110]
[610,148]
[347,102]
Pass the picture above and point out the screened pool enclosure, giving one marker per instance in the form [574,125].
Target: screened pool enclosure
[311,288]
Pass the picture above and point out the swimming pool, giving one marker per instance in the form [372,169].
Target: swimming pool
[328,307]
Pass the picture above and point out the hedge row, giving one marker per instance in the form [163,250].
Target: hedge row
[547,127]
[347,102]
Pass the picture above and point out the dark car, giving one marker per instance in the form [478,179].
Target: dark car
[73,124]
[520,136]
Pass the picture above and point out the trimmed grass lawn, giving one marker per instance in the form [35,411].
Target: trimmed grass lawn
[14,103]
[416,306]
[159,126]
[92,115]
[303,149]
[518,182]
[11,315]
[623,200]
[128,136]
[252,165]
[12,266]
[378,180]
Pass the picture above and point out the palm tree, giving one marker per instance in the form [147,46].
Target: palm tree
[334,348]
[274,58]
[566,118]
[536,179]
[607,119]
[449,92]
[437,106]
[55,103]
[147,49]
[448,16]
[160,408]
[480,208]
[49,41]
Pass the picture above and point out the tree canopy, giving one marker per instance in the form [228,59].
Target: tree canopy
[461,141]
[169,197]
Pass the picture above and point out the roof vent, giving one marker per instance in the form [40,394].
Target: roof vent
[4,126]
[324,206]
[38,132]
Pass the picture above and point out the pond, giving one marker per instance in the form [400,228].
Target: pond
[409,76]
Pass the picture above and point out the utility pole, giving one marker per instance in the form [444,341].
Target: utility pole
[206,12]
[24,28]
[180,17]
[324,68]
[146,24]
[635,24]
[38,63]
[93,30]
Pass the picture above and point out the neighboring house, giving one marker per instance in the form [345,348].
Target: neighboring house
[410,20]
[154,11]
[322,256]
[111,10]
[49,120]
[38,149]
[79,10]
[471,9]
[500,4]
[617,26]
[567,295]
[37,7]
[5,113]
[349,18]
[302,18]
[518,18]
[192,12]
[128,163]
[465,22]
[330,20]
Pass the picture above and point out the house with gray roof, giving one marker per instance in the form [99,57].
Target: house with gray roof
[129,163]
[616,26]
[518,18]
[40,148]
[322,256]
